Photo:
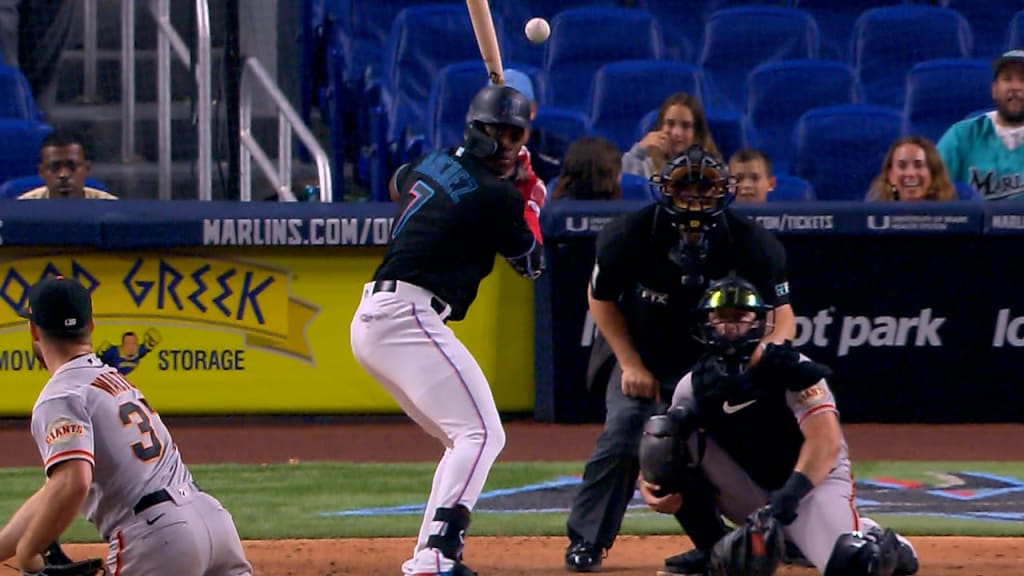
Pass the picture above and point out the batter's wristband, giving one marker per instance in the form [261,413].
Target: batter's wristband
[797,486]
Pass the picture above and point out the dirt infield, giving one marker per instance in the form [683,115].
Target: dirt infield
[256,441]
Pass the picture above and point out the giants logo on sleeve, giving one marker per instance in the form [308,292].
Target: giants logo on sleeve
[810,395]
[63,430]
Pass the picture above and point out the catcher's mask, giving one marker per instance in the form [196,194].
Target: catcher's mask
[733,320]
[500,106]
[695,188]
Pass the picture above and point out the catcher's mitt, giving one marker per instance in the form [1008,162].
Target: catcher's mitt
[57,563]
[754,549]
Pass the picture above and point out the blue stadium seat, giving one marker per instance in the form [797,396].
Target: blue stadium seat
[736,40]
[967,192]
[635,187]
[557,128]
[941,92]
[887,42]
[516,13]
[835,19]
[778,93]
[423,40]
[17,186]
[988,23]
[791,189]
[584,39]
[1015,32]
[839,149]
[682,22]
[16,96]
[19,146]
[624,91]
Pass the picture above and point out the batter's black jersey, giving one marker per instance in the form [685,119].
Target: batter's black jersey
[635,267]
[758,424]
[455,217]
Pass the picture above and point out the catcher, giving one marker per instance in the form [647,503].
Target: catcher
[107,454]
[762,446]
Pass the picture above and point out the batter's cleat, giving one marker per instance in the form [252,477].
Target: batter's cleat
[583,557]
[694,562]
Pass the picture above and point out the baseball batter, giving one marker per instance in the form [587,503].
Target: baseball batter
[764,436]
[459,208]
[107,454]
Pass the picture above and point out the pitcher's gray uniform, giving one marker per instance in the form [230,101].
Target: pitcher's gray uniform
[142,498]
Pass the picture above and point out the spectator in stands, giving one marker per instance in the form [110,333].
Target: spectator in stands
[591,170]
[753,173]
[63,166]
[912,171]
[32,37]
[987,151]
[680,124]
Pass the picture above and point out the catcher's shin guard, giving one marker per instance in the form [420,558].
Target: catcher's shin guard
[450,540]
[855,555]
[699,516]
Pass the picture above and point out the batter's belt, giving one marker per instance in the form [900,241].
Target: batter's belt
[414,294]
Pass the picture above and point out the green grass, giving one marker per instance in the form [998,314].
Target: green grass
[287,500]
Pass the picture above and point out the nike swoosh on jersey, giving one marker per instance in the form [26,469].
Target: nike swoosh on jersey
[734,408]
[153,520]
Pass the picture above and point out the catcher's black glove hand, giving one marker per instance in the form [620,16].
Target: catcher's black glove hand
[57,563]
[753,549]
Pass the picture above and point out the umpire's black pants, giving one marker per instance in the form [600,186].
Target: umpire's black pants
[609,477]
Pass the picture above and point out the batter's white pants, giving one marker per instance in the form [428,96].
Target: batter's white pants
[405,345]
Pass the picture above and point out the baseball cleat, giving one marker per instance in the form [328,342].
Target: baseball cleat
[694,562]
[583,557]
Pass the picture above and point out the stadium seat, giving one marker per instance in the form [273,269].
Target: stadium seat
[729,130]
[554,129]
[516,13]
[791,189]
[736,40]
[887,42]
[966,192]
[988,23]
[636,187]
[1015,32]
[17,186]
[835,19]
[624,91]
[584,39]
[839,149]
[941,92]
[451,94]
[423,40]
[682,22]
[19,146]
[16,96]
[778,93]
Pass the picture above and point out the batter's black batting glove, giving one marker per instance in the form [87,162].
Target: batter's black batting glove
[785,501]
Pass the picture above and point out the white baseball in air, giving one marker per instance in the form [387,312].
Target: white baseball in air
[538,30]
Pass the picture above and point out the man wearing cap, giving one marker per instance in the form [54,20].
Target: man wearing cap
[107,453]
[987,151]
[529,184]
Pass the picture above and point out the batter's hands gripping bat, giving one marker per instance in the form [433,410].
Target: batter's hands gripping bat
[483,27]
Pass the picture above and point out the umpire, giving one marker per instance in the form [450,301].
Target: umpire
[652,268]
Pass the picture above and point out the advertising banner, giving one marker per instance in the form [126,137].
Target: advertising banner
[222,331]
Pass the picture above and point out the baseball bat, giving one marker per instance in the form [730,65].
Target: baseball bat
[483,27]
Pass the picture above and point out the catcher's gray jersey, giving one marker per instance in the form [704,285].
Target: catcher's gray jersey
[140,486]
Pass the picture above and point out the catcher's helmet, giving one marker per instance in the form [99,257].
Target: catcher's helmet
[494,105]
[734,318]
[695,188]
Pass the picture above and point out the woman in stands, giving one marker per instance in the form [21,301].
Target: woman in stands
[591,170]
[680,124]
[912,171]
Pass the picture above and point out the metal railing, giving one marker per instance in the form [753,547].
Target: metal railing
[288,122]
[168,39]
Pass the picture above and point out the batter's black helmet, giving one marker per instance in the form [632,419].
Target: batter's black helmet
[494,105]
[695,188]
[726,326]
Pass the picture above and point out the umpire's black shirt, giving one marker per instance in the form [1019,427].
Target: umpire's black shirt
[455,216]
[634,268]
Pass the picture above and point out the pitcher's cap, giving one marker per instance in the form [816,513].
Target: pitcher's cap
[57,304]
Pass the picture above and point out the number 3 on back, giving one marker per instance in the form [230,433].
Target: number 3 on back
[132,413]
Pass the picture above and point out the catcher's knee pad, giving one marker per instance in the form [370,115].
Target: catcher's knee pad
[663,453]
[857,555]
[450,540]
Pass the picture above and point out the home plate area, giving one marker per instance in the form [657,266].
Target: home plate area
[966,495]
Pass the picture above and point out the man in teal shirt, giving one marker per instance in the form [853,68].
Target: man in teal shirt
[987,151]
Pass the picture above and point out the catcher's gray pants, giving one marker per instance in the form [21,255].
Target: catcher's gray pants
[609,477]
[190,535]
[824,514]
